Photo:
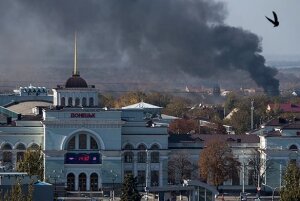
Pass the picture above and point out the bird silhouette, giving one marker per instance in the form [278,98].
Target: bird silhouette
[275,22]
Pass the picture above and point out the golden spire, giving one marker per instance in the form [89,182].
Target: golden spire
[75,58]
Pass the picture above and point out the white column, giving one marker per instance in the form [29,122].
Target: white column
[76,142]
[99,180]
[88,182]
[88,141]
[160,172]
[135,164]
[76,182]
[14,159]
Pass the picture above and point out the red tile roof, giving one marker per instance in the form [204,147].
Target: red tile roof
[285,107]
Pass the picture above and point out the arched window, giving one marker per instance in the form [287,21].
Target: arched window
[93,144]
[293,147]
[7,154]
[91,101]
[82,141]
[82,182]
[21,146]
[6,147]
[70,101]
[77,102]
[63,101]
[71,182]
[84,101]
[154,154]
[128,147]
[142,155]
[94,182]
[34,146]
[71,144]
[20,154]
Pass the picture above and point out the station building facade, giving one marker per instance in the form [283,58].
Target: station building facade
[87,148]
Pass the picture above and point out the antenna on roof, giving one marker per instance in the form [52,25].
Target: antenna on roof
[75,56]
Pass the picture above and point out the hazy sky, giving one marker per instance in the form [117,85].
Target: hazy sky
[250,15]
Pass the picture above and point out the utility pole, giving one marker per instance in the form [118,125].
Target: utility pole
[147,175]
[252,109]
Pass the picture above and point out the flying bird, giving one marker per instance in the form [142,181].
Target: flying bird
[275,22]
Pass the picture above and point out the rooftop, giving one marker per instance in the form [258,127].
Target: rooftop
[141,105]
[26,107]
[179,138]
[285,107]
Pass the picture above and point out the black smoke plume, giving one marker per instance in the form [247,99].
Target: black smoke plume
[140,39]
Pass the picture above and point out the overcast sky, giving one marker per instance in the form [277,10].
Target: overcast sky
[250,15]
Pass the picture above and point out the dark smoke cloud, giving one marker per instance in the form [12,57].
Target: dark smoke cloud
[143,39]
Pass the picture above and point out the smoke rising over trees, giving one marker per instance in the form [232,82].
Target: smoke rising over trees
[144,40]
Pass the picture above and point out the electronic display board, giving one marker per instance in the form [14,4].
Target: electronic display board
[82,158]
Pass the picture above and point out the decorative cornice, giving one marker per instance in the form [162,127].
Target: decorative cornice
[67,123]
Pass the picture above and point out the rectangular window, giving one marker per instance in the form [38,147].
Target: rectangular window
[142,157]
[141,178]
[155,157]
[235,178]
[127,172]
[128,157]
[251,177]
[154,178]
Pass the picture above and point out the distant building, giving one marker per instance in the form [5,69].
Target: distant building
[216,90]
[284,107]
[31,91]
[279,144]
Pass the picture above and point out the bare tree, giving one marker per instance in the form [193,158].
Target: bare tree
[259,166]
[180,167]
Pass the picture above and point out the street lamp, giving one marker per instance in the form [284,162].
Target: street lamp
[114,176]
[55,177]
[147,177]
[273,189]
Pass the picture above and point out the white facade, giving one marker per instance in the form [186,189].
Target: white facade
[279,147]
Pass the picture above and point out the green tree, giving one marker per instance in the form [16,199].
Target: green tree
[217,163]
[177,107]
[30,192]
[106,100]
[158,99]
[129,189]
[16,192]
[230,102]
[241,118]
[33,163]
[291,189]
[130,98]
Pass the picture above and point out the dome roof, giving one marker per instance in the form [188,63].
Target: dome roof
[76,82]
